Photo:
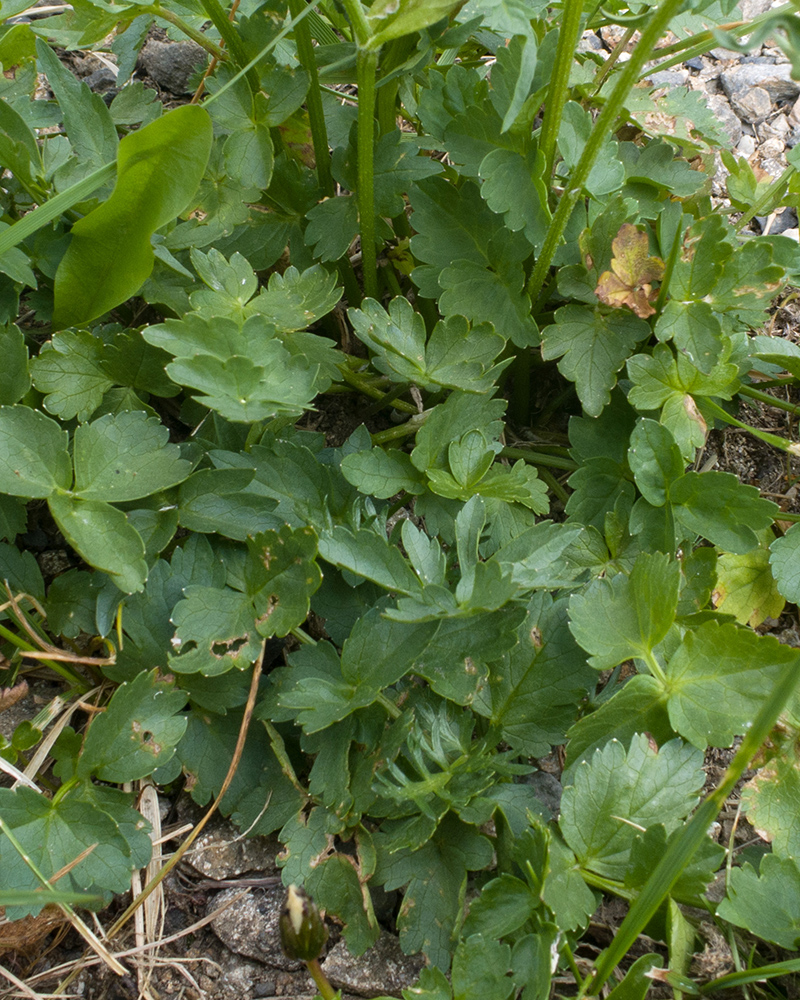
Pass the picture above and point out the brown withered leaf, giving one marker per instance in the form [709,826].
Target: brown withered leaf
[629,282]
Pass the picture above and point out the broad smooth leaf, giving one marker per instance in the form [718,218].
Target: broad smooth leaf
[104,537]
[109,258]
[34,461]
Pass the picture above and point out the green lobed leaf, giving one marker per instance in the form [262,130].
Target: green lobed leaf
[70,373]
[137,732]
[125,457]
[615,791]
[454,357]
[87,121]
[281,574]
[217,500]
[718,678]
[214,632]
[103,536]
[33,453]
[382,473]
[627,615]
[765,904]
[771,800]
[434,877]
[593,347]
[91,820]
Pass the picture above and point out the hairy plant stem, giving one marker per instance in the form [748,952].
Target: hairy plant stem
[793,448]
[603,128]
[764,397]
[316,117]
[682,849]
[326,991]
[410,427]
[558,90]
[190,32]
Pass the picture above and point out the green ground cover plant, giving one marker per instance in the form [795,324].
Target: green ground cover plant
[488,233]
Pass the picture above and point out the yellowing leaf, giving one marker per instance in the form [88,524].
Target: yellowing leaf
[629,282]
[746,588]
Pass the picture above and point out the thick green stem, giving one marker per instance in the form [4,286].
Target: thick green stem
[557,92]
[190,32]
[603,128]
[362,384]
[316,116]
[402,430]
[367,66]
[358,19]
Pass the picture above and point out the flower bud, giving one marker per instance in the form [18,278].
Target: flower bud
[303,934]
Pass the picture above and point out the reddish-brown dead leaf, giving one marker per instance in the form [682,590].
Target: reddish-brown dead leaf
[629,282]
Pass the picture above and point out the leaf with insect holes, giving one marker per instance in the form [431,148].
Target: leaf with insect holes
[281,574]
[629,283]
[214,632]
[137,732]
